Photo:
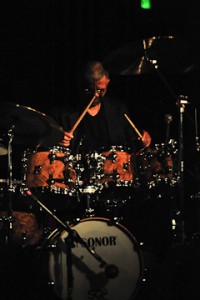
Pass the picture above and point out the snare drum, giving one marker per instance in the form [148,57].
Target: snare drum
[92,280]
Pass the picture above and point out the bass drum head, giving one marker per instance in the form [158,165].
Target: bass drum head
[89,279]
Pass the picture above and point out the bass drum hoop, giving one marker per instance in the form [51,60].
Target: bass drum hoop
[86,267]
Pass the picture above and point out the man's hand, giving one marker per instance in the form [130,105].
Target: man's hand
[67,139]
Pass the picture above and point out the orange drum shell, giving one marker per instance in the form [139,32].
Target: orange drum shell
[122,159]
[47,170]
[25,226]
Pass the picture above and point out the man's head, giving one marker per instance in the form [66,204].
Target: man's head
[97,78]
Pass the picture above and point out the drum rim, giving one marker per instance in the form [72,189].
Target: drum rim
[116,148]
[61,149]
[58,232]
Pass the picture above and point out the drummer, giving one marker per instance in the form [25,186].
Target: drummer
[100,118]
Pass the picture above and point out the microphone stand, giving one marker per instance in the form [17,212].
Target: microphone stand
[72,236]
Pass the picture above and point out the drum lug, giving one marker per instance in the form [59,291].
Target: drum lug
[125,167]
[52,157]
[37,170]
[23,241]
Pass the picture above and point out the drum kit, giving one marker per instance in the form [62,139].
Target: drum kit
[89,246]
[89,252]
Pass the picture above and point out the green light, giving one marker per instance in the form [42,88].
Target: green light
[146,4]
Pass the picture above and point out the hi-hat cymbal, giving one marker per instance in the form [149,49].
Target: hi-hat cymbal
[168,53]
[29,126]
[3,149]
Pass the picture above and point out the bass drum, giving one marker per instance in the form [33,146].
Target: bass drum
[91,280]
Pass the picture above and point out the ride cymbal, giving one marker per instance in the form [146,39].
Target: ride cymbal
[169,53]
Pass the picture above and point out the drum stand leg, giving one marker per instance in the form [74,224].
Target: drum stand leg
[89,212]
[182,101]
[8,220]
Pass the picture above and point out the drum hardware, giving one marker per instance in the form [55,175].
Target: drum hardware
[149,61]
[156,54]
[8,221]
[66,227]
[89,211]
[168,120]
[25,126]
[181,102]
[73,237]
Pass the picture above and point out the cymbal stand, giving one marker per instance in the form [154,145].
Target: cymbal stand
[153,63]
[181,102]
[73,236]
[10,189]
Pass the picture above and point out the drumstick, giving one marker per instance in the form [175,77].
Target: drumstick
[134,127]
[83,114]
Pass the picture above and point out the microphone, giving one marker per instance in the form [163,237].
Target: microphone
[111,271]
[168,120]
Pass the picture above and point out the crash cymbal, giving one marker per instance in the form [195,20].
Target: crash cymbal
[30,127]
[3,149]
[168,53]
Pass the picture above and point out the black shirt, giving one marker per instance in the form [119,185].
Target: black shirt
[96,133]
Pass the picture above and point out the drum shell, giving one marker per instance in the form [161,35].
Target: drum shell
[49,168]
[158,166]
[110,168]
[113,243]
[50,174]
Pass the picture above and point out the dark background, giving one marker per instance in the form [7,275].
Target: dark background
[43,45]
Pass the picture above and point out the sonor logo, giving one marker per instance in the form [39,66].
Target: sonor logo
[103,241]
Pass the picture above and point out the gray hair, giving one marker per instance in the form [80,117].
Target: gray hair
[95,71]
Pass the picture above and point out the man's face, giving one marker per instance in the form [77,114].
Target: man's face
[102,85]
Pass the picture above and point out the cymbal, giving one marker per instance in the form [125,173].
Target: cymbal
[169,53]
[3,149]
[30,127]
